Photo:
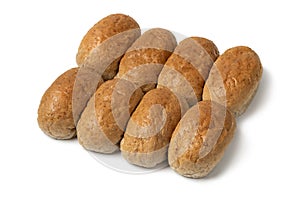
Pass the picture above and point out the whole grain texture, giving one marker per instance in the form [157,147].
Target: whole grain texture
[103,121]
[144,60]
[55,117]
[149,130]
[187,68]
[200,139]
[234,79]
[99,54]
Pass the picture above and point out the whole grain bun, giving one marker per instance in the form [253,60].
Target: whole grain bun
[149,130]
[144,60]
[99,55]
[104,29]
[200,139]
[103,121]
[187,68]
[55,116]
[234,79]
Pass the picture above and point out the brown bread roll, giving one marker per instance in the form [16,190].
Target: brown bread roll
[55,116]
[234,79]
[144,60]
[200,139]
[103,121]
[106,28]
[99,55]
[188,67]
[149,130]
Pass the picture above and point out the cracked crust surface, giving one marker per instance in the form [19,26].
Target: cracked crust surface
[234,79]
[200,139]
[55,116]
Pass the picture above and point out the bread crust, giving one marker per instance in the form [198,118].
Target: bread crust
[104,29]
[144,60]
[200,139]
[187,68]
[102,123]
[99,55]
[55,116]
[150,128]
[234,79]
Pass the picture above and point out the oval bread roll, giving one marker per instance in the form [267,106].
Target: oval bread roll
[150,127]
[234,79]
[55,116]
[187,68]
[103,121]
[99,54]
[104,29]
[144,60]
[200,139]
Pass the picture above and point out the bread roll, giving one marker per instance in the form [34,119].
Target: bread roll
[144,60]
[149,130]
[103,121]
[99,54]
[187,68]
[106,28]
[55,116]
[234,79]
[200,139]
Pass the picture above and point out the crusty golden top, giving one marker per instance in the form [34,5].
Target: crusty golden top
[155,38]
[234,78]
[104,113]
[107,113]
[200,136]
[152,123]
[140,57]
[55,116]
[198,52]
[209,46]
[188,67]
[102,30]
[144,60]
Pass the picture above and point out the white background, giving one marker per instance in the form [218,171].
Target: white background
[39,41]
